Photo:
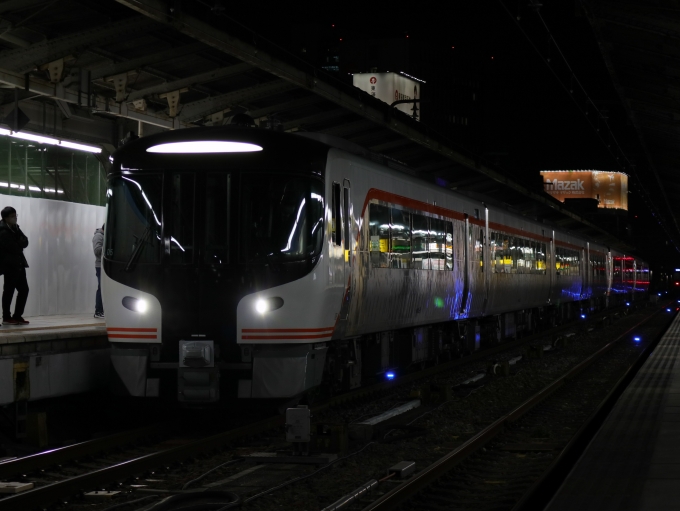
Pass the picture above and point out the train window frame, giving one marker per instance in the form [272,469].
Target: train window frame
[112,240]
[207,248]
[378,244]
[345,221]
[175,246]
[516,255]
[245,179]
[336,215]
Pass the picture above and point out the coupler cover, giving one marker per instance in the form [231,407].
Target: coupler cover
[198,380]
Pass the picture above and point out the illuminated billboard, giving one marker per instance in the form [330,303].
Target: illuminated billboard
[609,188]
[391,87]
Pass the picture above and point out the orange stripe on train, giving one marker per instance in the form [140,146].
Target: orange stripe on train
[115,329]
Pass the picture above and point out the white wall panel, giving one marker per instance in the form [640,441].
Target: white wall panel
[61,274]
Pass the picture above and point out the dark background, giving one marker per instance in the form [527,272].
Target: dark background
[529,112]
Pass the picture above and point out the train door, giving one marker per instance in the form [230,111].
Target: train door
[486,260]
[466,238]
[180,255]
[583,270]
[215,269]
[347,243]
[550,266]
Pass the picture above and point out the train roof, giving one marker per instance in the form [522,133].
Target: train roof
[180,149]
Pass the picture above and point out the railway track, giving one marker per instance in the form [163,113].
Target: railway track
[511,462]
[145,458]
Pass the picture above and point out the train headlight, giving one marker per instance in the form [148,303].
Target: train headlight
[264,305]
[135,304]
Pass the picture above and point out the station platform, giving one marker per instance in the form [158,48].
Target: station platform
[47,328]
[633,463]
[53,356]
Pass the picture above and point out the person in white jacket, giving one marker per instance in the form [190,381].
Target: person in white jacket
[97,244]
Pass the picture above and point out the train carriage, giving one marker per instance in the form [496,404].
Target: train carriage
[258,264]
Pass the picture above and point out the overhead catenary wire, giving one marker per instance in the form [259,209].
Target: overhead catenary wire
[590,104]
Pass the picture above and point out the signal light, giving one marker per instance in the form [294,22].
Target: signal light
[637,339]
[389,376]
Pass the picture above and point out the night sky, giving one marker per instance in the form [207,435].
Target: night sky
[532,119]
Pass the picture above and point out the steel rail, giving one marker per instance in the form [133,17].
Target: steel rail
[480,355]
[401,494]
[536,496]
[59,455]
[67,487]
[68,453]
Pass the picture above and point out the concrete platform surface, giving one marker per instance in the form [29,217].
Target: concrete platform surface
[633,463]
[45,328]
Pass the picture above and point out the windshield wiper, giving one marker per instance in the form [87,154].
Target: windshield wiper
[139,247]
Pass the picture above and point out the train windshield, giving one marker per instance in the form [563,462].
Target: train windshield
[133,226]
[282,217]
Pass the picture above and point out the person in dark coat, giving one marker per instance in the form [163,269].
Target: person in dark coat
[13,263]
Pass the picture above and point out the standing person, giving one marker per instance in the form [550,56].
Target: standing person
[97,244]
[12,245]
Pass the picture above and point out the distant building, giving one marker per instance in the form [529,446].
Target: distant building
[391,88]
[610,189]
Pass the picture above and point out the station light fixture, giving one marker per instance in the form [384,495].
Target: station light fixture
[41,139]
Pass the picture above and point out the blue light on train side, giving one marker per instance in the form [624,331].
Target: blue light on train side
[389,376]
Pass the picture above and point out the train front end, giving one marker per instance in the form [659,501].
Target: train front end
[214,278]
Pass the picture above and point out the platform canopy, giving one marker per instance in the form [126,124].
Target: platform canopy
[110,66]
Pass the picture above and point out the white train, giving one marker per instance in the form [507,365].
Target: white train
[258,264]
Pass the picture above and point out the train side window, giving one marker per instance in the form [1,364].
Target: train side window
[346,222]
[217,218]
[576,262]
[401,239]
[479,248]
[437,244]
[492,250]
[529,257]
[421,243]
[379,235]
[181,229]
[543,260]
[449,246]
[336,221]
[558,260]
[518,256]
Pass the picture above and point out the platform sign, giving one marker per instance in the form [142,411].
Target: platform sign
[391,87]
[609,188]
